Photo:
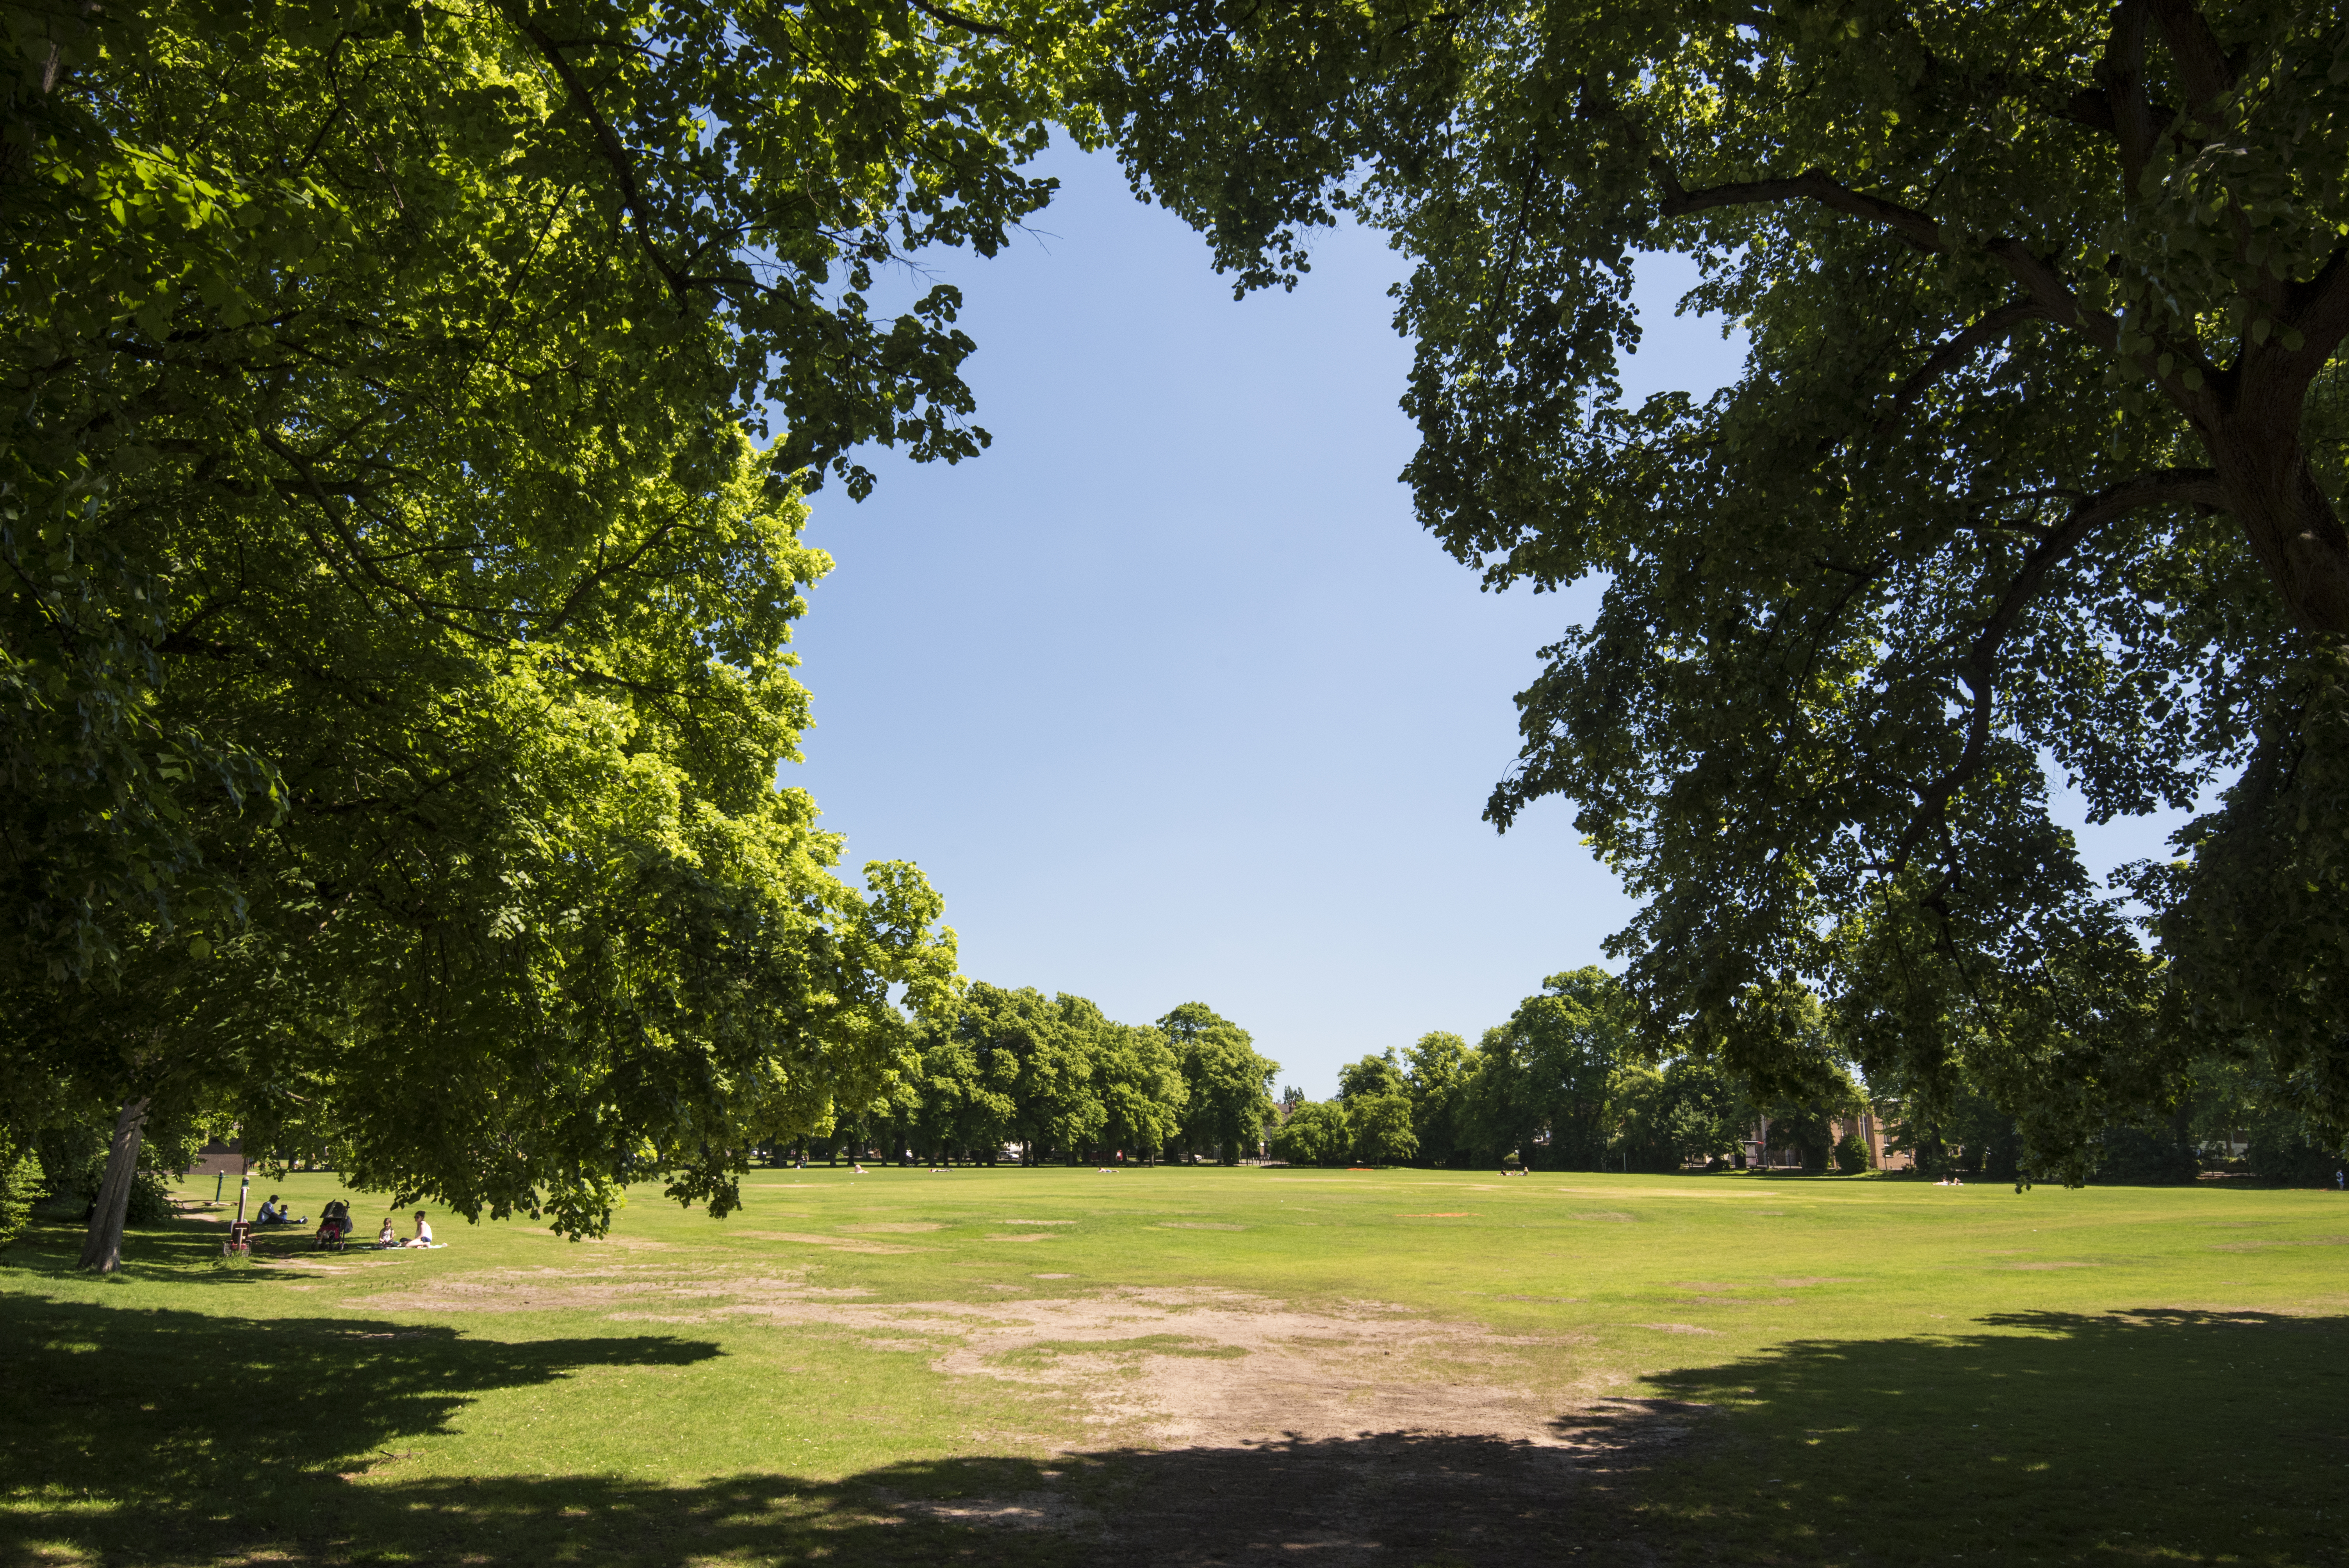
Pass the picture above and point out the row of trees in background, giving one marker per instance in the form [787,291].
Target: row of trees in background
[1566,1083]
[1570,1082]
[1057,1080]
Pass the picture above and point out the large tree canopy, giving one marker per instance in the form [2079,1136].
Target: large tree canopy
[2036,460]
[396,567]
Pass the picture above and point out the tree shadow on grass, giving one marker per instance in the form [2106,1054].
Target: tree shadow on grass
[2177,1435]
[184,1251]
[132,1436]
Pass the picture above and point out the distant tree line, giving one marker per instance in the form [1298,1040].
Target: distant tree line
[1054,1079]
[1570,1082]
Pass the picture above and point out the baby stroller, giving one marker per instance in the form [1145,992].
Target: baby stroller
[334,1227]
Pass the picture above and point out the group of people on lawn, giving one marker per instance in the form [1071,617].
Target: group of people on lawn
[338,1213]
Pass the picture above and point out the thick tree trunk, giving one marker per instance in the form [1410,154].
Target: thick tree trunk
[102,1252]
[2289,523]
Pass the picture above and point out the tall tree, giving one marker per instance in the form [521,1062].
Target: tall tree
[1540,1085]
[1438,1068]
[1228,1086]
[2037,459]
[394,601]
[1373,1075]
[1142,1091]
[1023,1043]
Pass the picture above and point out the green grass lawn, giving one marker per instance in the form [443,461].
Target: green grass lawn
[852,1370]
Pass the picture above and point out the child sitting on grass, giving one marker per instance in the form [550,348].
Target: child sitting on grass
[384,1238]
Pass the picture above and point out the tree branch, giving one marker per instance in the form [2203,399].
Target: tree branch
[1919,230]
[2090,515]
[1953,353]
[2122,74]
[956,19]
[615,152]
[2320,308]
[2202,64]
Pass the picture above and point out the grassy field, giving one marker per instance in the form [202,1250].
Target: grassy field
[1202,1366]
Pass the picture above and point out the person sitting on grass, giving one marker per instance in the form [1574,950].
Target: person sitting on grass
[386,1237]
[273,1213]
[423,1237]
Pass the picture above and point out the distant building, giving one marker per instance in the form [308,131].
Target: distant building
[1869,1127]
[218,1159]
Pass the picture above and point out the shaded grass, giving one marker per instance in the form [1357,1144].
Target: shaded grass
[2169,1435]
[1852,1371]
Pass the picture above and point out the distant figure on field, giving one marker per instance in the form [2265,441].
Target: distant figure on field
[854,1168]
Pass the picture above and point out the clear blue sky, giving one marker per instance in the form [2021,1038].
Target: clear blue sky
[1168,694]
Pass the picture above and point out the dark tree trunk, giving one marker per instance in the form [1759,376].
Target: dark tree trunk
[101,1253]
[2289,523]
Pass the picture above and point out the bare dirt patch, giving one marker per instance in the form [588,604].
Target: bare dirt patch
[895,1228]
[1186,1366]
[1216,1429]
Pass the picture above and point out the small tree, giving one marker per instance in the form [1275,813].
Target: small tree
[1316,1133]
[1381,1126]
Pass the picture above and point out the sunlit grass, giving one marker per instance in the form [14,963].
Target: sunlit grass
[1876,1369]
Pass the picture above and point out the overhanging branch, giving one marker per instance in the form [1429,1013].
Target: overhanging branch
[607,141]
[956,19]
[1953,353]
[1917,230]
[2089,516]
